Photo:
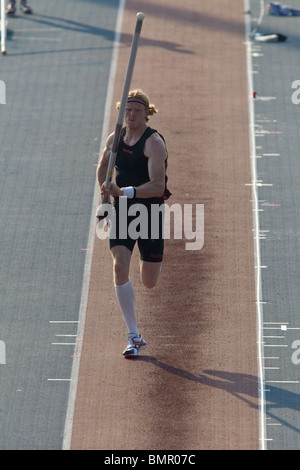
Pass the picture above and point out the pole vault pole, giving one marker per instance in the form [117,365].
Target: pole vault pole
[126,88]
[3,27]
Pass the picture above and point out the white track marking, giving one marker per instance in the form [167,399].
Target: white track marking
[89,254]
[257,253]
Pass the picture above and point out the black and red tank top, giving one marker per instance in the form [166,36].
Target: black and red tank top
[132,164]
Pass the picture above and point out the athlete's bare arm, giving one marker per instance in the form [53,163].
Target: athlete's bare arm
[155,150]
[104,160]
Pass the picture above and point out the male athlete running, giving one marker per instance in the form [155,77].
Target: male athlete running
[141,178]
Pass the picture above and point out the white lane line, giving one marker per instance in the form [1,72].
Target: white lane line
[67,335]
[64,321]
[282,381]
[265,98]
[37,30]
[59,380]
[257,253]
[87,271]
[36,38]
[281,337]
[271,154]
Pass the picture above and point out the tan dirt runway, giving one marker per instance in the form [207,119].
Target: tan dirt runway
[195,386]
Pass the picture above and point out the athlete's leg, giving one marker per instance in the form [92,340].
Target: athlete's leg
[121,263]
[123,287]
[149,273]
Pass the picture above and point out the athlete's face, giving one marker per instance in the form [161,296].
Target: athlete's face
[135,115]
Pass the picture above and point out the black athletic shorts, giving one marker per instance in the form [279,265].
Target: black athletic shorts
[136,222]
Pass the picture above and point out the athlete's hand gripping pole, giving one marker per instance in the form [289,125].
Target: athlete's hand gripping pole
[126,88]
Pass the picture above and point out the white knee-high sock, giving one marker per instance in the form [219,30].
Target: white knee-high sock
[126,299]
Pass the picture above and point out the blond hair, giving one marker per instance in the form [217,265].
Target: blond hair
[141,97]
